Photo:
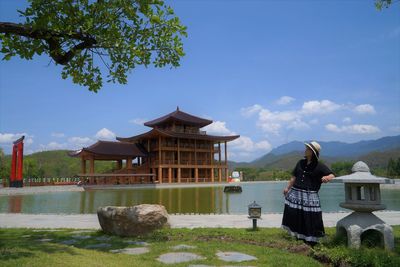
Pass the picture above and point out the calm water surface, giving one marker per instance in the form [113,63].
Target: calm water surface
[201,200]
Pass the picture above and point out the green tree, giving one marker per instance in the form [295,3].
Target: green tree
[379,4]
[342,167]
[120,34]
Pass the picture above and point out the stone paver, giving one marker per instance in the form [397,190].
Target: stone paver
[234,256]
[68,242]
[137,243]
[45,240]
[201,265]
[183,247]
[82,232]
[103,238]
[82,237]
[100,245]
[178,257]
[131,251]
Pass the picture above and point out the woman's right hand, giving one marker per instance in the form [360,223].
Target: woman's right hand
[285,191]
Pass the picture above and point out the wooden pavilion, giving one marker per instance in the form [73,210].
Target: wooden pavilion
[175,150]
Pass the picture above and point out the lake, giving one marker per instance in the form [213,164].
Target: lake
[199,200]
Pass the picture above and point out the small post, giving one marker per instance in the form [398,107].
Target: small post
[254,224]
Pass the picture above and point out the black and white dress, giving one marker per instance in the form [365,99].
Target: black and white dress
[302,216]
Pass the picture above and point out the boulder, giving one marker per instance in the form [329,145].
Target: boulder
[132,221]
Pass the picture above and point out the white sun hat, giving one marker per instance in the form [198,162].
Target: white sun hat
[315,147]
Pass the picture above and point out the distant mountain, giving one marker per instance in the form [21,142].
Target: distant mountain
[341,149]
[377,152]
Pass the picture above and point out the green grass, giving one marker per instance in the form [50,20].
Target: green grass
[272,247]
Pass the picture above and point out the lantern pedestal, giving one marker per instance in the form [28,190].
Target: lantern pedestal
[357,223]
[363,195]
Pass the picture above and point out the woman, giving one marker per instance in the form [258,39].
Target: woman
[302,216]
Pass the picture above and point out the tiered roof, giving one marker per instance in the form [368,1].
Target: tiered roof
[157,132]
[110,149]
[179,116]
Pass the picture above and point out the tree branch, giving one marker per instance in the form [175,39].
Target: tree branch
[52,38]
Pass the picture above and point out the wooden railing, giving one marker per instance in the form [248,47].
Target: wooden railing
[42,181]
[116,179]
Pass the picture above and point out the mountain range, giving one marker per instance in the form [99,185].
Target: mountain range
[373,152]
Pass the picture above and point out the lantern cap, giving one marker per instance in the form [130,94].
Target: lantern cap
[360,166]
[361,174]
[254,205]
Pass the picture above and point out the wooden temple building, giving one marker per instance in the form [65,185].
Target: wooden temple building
[175,150]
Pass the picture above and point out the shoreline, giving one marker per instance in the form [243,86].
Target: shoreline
[90,221]
[28,190]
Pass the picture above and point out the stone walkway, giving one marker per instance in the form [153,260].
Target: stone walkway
[179,254]
[90,221]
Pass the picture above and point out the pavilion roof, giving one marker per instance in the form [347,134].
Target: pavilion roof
[157,132]
[112,149]
[181,116]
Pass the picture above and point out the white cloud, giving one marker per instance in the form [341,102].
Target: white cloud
[395,129]
[298,125]
[217,127]
[28,141]
[79,142]
[138,121]
[249,111]
[240,146]
[319,107]
[347,120]
[365,109]
[272,122]
[53,146]
[10,137]
[353,129]
[284,100]
[105,134]
[246,144]
[58,135]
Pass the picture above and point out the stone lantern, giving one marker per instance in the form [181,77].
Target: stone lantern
[362,194]
[254,213]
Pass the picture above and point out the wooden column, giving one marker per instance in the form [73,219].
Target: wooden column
[211,153]
[159,150]
[169,175]
[91,167]
[129,163]
[196,174]
[179,160]
[219,174]
[219,153]
[226,154]
[83,166]
[212,175]
[226,174]
[119,164]
[195,152]
[160,175]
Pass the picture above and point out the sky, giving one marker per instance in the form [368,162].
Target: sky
[270,71]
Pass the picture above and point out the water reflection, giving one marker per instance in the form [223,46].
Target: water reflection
[203,200]
[15,204]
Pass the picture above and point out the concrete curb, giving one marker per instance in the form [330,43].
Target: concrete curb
[90,221]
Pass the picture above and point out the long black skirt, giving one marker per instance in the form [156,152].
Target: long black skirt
[302,216]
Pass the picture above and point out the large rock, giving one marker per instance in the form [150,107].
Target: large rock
[132,221]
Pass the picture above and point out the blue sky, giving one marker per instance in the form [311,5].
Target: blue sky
[271,71]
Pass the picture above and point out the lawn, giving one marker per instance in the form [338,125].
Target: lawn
[271,247]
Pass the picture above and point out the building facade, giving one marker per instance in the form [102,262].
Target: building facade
[175,150]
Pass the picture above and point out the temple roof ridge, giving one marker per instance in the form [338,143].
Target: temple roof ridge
[179,116]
